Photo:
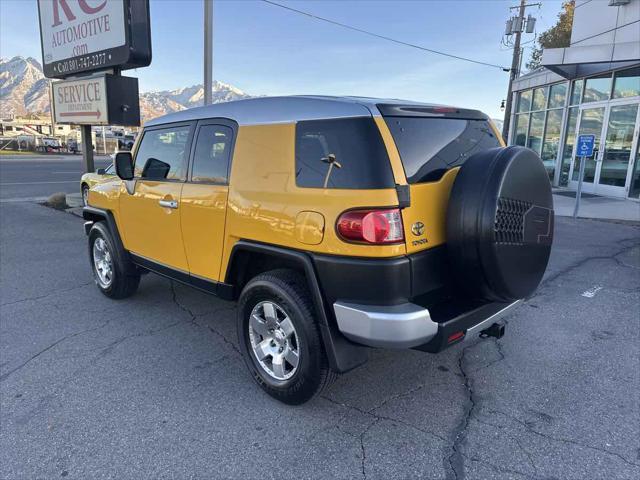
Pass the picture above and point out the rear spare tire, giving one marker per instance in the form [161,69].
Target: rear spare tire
[500,224]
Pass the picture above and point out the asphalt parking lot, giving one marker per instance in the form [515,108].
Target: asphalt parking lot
[154,387]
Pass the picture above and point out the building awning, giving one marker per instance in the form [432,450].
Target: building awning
[582,61]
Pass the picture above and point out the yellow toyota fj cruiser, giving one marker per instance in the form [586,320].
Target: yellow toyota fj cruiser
[336,223]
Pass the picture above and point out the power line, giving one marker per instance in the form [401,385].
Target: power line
[383,37]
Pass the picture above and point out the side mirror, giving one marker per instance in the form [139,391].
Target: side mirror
[100,171]
[124,165]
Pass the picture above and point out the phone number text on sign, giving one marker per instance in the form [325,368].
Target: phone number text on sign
[82,63]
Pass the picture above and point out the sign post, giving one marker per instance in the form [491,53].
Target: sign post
[585,146]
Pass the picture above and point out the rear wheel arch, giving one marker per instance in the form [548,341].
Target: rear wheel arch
[249,259]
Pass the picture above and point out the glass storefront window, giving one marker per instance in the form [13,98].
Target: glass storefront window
[539,99]
[627,83]
[522,126]
[569,140]
[597,88]
[534,142]
[576,92]
[618,143]
[557,95]
[551,141]
[524,101]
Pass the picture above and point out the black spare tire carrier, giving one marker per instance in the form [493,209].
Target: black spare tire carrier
[500,224]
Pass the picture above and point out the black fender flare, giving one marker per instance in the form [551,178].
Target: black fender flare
[343,355]
[92,215]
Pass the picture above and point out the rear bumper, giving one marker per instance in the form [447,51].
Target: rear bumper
[411,326]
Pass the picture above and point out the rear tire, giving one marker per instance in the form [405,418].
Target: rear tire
[115,275]
[500,224]
[280,339]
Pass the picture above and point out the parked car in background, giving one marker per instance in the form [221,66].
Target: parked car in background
[88,180]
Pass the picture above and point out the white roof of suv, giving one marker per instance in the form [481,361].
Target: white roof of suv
[268,110]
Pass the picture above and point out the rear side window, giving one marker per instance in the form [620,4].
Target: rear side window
[211,157]
[342,153]
[429,147]
[161,154]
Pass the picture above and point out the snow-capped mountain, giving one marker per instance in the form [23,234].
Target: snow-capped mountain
[167,101]
[24,89]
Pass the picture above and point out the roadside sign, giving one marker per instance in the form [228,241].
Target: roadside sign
[90,35]
[98,100]
[586,144]
[584,148]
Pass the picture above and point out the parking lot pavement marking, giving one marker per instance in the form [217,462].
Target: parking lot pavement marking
[592,291]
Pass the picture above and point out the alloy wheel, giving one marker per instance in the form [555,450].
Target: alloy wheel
[274,340]
[102,262]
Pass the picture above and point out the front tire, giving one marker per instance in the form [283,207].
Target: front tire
[114,274]
[85,195]
[280,339]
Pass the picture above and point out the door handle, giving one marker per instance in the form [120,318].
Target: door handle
[168,203]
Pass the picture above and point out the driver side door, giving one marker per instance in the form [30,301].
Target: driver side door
[150,216]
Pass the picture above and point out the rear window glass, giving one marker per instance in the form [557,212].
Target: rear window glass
[341,153]
[429,147]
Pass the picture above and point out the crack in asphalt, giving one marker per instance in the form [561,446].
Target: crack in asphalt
[529,427]
[580,263]
[106,350]
[456,459]
[194,317]
[363,451]
[49,347]
[40,297]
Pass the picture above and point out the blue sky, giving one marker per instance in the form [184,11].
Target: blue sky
[265,50]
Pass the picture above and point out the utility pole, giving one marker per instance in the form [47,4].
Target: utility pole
[208,51]
[515,67]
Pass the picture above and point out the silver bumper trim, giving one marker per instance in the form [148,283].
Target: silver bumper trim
[396,326]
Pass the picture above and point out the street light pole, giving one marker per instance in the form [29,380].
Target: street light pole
[514,73]
[208,51]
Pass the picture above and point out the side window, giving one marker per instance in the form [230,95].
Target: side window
[212,154]
[341,153]
[161,154]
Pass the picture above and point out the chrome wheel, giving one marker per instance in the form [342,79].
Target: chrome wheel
[274,340]
[85,196]
[102,263]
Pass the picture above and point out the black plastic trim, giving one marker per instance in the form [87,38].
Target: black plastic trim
[384,281]
[92,214]
[392,110]
[205,285]
[343,354]
[459,323]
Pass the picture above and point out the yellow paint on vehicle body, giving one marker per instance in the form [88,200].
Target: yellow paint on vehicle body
[309,227]
[263,203]
[151,230]
[428,200]
[203,210]
[264,199]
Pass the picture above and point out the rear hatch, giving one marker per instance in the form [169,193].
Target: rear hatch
[433,142]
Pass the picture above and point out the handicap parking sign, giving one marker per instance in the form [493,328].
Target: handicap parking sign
[585,145]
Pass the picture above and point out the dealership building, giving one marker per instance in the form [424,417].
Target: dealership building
[590,87]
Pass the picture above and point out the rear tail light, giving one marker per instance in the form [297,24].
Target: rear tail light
[377,227]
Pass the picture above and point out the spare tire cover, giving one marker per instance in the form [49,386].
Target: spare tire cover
[500,224]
